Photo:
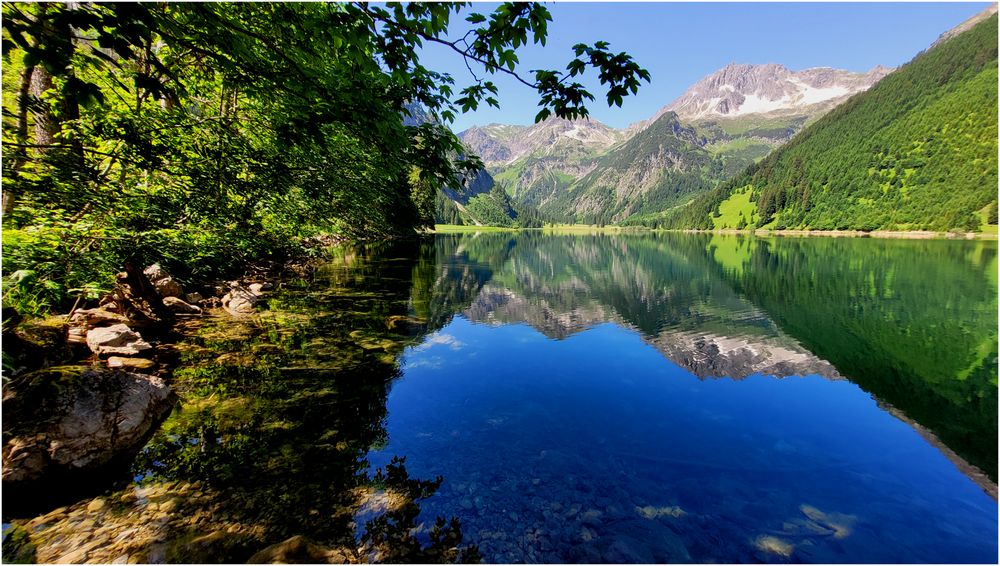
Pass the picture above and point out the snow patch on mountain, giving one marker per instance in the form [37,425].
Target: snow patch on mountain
[740,90]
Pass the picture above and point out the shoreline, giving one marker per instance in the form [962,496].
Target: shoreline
[586,228]
[884,234]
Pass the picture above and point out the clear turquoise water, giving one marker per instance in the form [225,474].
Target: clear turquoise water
[680,398]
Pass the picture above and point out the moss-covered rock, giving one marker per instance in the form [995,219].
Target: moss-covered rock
[17,546]
[35,344]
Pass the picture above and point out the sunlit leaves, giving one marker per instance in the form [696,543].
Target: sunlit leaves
[618,71]
[492,48]
[254,123]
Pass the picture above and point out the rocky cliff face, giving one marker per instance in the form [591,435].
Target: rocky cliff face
[500,145]
[966,25]
[537,163]
[659,166]
[740,90]
[492,150]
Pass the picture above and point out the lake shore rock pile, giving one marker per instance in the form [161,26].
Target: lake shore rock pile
[70,425]
[171,522]
[137,525]
[69,422]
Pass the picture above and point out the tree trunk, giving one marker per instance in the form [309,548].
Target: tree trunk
[23,91]
[46,125]
[69,106]
[21,135]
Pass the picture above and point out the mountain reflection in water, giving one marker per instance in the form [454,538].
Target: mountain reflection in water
[912,322]
[560,435]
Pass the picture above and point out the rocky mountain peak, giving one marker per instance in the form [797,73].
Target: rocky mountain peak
[499,144]
[586,131]
[741,89]
[966,25]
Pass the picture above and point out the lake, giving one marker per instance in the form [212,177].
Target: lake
[597,398]
[708,398]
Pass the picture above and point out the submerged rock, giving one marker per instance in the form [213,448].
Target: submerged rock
[239,302]
[651,512]
[774,545]
[140,365]
[63,422]
[626,550]
[838,524]
[638,540]
[298,550]
[117,339]
[177,305]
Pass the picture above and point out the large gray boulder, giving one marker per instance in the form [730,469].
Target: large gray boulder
[164,284]
[67,420]
[154,273]
[84,320]
[117,339]
[259,289]
[167,287]
[240,302]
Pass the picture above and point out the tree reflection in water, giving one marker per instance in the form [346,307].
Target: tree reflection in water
[280,411]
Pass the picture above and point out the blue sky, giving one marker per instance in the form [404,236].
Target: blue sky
[679,43]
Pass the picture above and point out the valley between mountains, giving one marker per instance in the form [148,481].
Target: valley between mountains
[763,146]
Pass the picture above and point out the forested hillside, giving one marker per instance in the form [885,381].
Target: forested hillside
[661,165]
[483,202]
[473,198]
[918,151]
[537,163]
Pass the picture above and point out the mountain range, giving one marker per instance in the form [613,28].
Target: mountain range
[678,167]
[587,171]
